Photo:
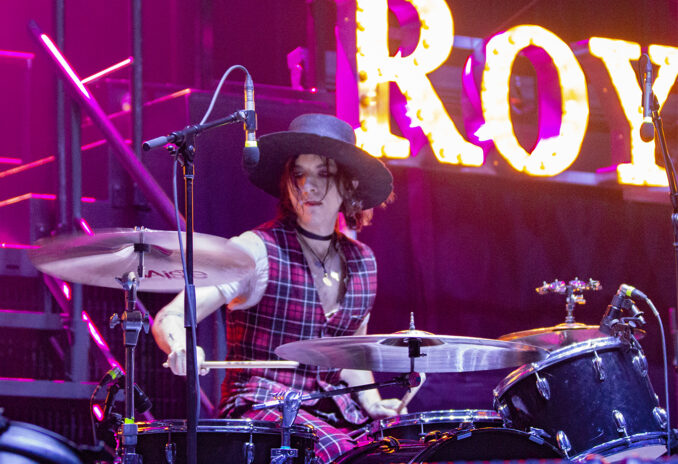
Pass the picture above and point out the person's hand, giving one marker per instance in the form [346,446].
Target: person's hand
[176,361]
[384,408]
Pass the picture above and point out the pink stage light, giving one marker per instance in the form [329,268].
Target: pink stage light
[66,290]
[98,412]
[5,160]
[40,196]
[18,246]
[106,71]
[16,379]
[18,55]
[314,90]
[99,340]
[179,93]
[64,64]
[23,167]
[85,227]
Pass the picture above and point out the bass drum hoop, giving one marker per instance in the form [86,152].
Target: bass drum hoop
[433,447]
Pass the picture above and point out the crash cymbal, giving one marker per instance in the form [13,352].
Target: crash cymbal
[552,338]
[389,353]
[98,259]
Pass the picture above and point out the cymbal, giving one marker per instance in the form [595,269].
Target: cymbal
[552,338]
[98,259]
[389,353]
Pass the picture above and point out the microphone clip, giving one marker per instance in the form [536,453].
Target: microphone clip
[622,318]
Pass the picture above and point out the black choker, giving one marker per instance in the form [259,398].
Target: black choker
[313,236]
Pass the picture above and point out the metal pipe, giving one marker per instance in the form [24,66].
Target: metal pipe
[149,186]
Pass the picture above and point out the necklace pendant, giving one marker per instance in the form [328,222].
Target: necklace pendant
[326,280]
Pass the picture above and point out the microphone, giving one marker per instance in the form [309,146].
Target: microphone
[250,154]
[632,292]
[647,127]
[613,313]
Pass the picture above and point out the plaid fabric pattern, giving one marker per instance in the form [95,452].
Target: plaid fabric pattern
[290,310]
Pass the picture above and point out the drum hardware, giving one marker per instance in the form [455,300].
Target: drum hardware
[622,317]
[564,443]
[598,366]
[569,332]
[572,290]
[291,401]
[640,363]
[543,387]
[132,321]
[432,425]
[660,416]
[620,420]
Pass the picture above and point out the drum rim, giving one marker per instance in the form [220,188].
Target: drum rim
[622,444]
[224,425]
[554,357]
[433,417]
[528,435]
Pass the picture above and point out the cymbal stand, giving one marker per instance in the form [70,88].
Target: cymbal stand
[291,402]
[132,322]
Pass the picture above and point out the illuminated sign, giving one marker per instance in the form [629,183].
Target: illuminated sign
[366,71]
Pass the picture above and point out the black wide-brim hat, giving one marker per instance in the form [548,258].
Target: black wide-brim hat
[324,135]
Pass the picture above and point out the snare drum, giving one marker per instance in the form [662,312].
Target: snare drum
[593,397]
[417,425]
[222,440]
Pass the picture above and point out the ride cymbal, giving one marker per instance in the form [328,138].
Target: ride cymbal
[390,353]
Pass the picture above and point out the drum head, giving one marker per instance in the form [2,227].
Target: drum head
[487,444]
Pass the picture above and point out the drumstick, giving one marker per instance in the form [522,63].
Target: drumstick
[409,394]
[246,364]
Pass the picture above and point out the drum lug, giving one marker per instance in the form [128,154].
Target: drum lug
[640,363]
[503,411]
[563,443]
[170,452]
[543,387]
[537,432]
[248,452]
[598,366]
[659,416]
[620,420]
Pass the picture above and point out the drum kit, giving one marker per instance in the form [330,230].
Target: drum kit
[576,391]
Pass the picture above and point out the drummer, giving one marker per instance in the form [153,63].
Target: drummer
[310,281]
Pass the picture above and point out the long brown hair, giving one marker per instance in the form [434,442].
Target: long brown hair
[351,207]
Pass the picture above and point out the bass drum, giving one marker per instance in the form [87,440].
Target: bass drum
[221,440]
[467,445]
[22,443]
[487,444]
[417,425]
[592,397]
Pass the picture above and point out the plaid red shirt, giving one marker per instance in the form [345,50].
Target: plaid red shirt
[289,311]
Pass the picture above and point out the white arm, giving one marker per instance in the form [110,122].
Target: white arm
[168,328]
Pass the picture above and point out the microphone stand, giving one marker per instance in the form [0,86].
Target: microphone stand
[673,195]
[184,151]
